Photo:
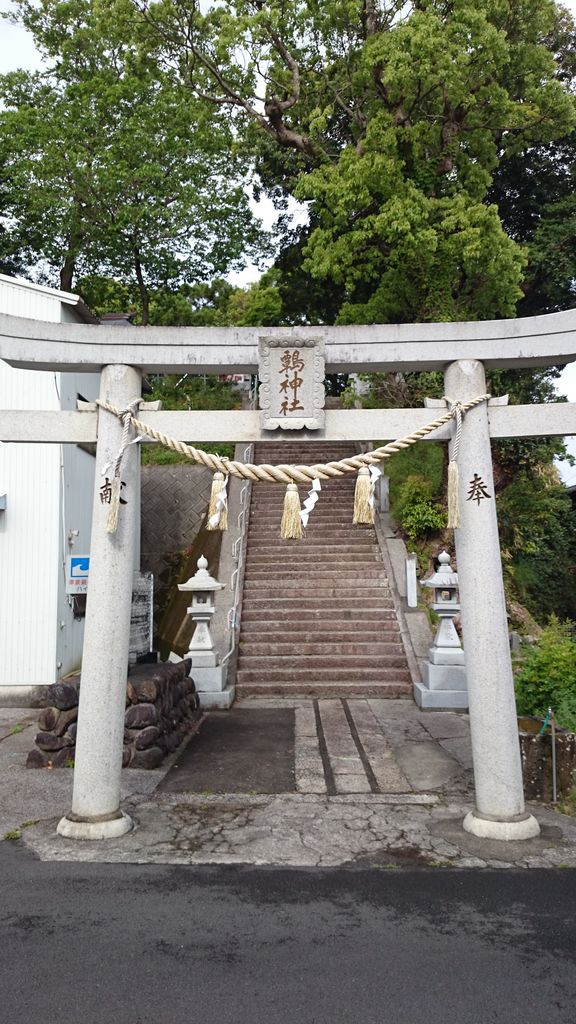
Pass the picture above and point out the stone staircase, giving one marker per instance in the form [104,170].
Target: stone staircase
[318,617]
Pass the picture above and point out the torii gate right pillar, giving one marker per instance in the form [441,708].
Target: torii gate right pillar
[500,811]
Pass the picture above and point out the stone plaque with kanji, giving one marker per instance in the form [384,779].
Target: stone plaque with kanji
[292,384]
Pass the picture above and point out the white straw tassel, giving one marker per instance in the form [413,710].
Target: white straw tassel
[363,510]
[291,527]
[218,507]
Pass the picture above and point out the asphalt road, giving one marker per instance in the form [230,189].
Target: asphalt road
[128,944]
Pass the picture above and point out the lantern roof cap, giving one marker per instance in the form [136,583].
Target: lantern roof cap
[445,575]
[201,580]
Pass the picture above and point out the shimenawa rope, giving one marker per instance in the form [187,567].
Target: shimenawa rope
[291,475]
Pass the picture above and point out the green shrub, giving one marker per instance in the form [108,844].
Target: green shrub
[413,491]
[538,538]
[547,677]
[425,461]
[422,518]
[418,515]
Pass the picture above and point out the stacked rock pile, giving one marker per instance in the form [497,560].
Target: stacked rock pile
[162,708]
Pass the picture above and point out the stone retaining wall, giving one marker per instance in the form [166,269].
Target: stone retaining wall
[162,708]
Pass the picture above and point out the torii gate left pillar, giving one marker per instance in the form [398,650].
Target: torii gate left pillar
[96,810]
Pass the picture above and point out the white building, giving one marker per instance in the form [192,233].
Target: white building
[45,512]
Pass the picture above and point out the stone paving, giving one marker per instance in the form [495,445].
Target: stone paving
[379,784]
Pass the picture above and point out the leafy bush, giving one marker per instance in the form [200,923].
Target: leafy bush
[414,508]
[538,537]
[422,518]
[547,677]
[425,461]
[415,490]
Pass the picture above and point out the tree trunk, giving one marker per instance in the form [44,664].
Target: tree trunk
[67,272]
[144,296]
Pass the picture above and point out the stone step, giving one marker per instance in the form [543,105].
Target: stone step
[318,617]
[324,688]
[369,674]
[331,495]
[313,572]
[291,457]
[329,507]
[357,614]
[344,528]
[285,557]
[321,648]
[317,538]
[387,633]
[294,458]
[353,567]
[277,452]
[348,582]
[330,490]
[307,589]
[281,602]
[278,665]
[322,544]
[338,518]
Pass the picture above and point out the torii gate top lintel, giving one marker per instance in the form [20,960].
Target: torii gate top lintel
[545,340]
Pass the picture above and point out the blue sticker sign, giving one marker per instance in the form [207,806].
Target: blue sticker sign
[77,574]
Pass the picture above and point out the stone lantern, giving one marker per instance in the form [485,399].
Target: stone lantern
[209,676]
[444,674]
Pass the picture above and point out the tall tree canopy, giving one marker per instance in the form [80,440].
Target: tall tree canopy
[389,119]
[110,167]
[399,123]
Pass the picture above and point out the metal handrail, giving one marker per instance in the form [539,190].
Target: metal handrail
[238,550]
[239,547]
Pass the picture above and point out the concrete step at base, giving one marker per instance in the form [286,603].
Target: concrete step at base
[280,604]
[293,664]
[368,674]
[336,688]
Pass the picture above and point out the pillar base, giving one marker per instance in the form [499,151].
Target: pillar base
[525,827]
[111,829]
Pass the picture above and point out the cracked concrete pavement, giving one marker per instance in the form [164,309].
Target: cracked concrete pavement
[376,783]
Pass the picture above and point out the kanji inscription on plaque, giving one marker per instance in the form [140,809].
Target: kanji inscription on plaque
[292,383]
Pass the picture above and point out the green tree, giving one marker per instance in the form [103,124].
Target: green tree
[389,119]
[534,191]
[538,538]
[111,168]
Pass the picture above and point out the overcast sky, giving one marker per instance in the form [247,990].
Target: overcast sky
[17,51]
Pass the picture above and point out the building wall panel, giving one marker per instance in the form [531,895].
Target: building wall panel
[49,494]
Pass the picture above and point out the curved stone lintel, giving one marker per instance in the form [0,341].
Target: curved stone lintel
[525,827]
[531,341]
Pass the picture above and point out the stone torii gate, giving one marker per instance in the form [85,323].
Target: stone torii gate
[461,350]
